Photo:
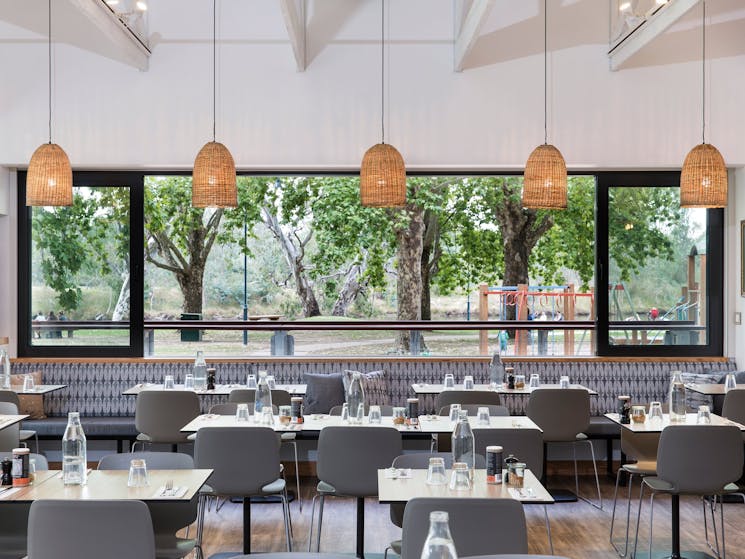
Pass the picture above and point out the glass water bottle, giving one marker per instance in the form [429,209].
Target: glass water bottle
[263,397]
[74,452]
[200,372]
[677,398]
[463,443]
[496,371]
[4,369]
[356,398]
[439,543]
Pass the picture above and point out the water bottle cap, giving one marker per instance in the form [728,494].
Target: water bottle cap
[438,516]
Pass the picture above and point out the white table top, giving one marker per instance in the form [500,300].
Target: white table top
[421,388]
[220,389]
[710,389]
[401,490]
[316,422]
[38,389]
[8,420]
[110,484]
[655,427]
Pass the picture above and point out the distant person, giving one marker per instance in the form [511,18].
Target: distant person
[51,317]
[654,313]
[63,318]
[38,317]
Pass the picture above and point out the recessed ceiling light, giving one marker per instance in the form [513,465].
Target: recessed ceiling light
[660,2]
[624,6]
[142,6]
[112,2]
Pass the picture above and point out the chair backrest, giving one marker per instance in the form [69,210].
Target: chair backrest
[385,410]
[734,406]
[10,396]
[161,414]
[349,457]
[244,460]
[641,447]
[39,459]
[473,410]
[168,517]
[248,395]
[562,413]
[478,526]
[483,397]
[13,529]
[700,459]
[9,436]
[76,529]
[525,444]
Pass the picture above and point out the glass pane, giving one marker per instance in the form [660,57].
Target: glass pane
[657,268]
[80,270]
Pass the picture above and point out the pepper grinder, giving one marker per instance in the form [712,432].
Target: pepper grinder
[7,468]
[210,379]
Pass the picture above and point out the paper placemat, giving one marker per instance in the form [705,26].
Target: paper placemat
[398,473]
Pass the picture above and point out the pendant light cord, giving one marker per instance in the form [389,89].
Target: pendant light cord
[49,64]
[214,67]
[703,75]
[545,72]
[382,71]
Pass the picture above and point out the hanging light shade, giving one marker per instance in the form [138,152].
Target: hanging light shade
[545,183]
[545,179]
[213,180]
[49,178]
[703,179]
[383,172]
[383,177]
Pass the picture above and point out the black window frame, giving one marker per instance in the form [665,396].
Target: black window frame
[124,179]
[714,272]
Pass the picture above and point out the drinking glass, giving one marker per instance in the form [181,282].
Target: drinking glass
[168,382]
[517,474]
[454,411]
[564,382]
[519,382]
[251,381]
[345,413]
[704,415]
[189,382]
[468,382]
[285,415]
[460,479]
[638,414]
[535,381]
[137,474]
[483,416]
[270,382]
[375,416]
[241,412]
[360,413]
[655,412]
[449,381]
[267,417]
[399,416]
[436,472]
[28,383]
[730,382]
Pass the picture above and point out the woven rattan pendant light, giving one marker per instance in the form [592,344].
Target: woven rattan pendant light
[545,181]
[382,173]
[213,182]
[703,179]
[49,177]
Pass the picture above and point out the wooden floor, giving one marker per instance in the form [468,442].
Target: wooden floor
[579,530]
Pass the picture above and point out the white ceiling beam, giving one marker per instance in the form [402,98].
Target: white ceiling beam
[132,50]
[469,32]
[653,27]
[293,13]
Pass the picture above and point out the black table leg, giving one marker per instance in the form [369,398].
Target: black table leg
[676,526]
[246,525]
[361,527]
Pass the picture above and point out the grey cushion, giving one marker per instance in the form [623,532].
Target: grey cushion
[323,392]
[120,426]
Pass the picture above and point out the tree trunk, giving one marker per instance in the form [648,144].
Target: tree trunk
[409,288]
[121,310]
[191,285]
[350,290]
[431,253]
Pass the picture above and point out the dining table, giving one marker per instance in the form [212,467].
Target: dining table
[711,389]
[657,426]
[421,389]
[37,389]
[11,419]
[219,390]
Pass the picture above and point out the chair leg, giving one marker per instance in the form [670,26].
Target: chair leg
[201,505]
[651,522]
[286,511]
[721,518]
[297,477]
[638,518]
[548,529]
[597,479]
[713,525]
[220,503]
[321,499]
[312,516]
[289,515]
[628,514]
[36,441]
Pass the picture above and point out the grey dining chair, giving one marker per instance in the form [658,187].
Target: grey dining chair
[9,438]
[160,415]
[246,464]
[524,444]
[168,517]
[482,397]
[247,395]
[642,448]
[734,405]
[66,529]
[14,518]
[23,434]
[563,414]
[229,408]
[717,464]
[347,466]
[478,526]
